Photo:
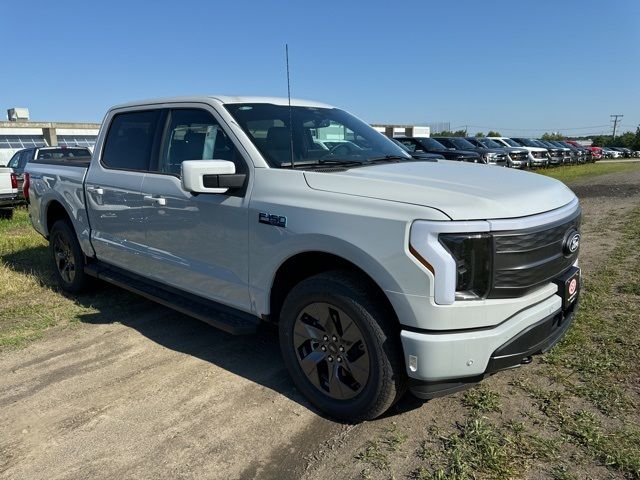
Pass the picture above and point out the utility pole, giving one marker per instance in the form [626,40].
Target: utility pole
[615,119]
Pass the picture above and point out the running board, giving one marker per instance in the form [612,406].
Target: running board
[220,316]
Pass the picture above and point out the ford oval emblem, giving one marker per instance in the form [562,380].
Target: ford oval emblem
[572,243]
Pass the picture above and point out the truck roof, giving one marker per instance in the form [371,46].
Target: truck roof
[224,99]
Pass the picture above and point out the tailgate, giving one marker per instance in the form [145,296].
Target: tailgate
[5,181]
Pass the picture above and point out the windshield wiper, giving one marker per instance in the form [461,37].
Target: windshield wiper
[335,161]
[386,158]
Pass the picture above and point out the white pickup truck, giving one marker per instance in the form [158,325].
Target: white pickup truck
[8,192]
[382,273]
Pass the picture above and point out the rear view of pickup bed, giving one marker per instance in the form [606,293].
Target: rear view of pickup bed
[8,192]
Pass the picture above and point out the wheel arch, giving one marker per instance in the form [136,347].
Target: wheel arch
[306,264]
[56,211]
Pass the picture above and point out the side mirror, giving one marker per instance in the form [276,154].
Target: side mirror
[210,176]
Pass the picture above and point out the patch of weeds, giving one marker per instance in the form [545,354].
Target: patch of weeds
[423,452]
[374,456]
[475,447]
[609,399]
[562,472]
[630,288]
[481,399]
[531,445]
[618,449]
[365,474]
[548,401]
[394,438]
[376,452]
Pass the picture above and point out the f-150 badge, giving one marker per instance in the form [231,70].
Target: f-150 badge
[271,219]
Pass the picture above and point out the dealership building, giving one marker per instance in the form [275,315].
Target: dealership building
[19,132]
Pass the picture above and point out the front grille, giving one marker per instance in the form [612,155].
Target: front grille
[501,158]
[526,259]
[518,156]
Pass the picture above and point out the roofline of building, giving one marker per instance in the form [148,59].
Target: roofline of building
[30,124]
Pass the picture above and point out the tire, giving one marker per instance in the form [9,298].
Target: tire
[6,213]
[368,336]
[67,258]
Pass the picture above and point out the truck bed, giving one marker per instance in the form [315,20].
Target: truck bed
[67,162]
[61,181]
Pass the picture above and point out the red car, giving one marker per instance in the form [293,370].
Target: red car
[595,151]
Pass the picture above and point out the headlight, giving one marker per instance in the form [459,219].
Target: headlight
[489,155]
[473,256]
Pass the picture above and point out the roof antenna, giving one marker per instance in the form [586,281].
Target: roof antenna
[286,51]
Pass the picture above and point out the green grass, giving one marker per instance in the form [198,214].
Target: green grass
[31,302]
[573,173]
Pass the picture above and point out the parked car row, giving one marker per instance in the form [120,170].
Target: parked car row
[503,151]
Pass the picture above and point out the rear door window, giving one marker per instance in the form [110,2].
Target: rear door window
[129,142]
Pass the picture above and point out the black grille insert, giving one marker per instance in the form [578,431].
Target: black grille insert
[526,259]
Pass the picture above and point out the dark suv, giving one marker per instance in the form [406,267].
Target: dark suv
[490,156]
[418,154]
[517,157]
[429,145]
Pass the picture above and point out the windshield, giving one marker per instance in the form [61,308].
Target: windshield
[319,136]
[510,142]
[527,142]
[431,144]
[461,143]
[487,142]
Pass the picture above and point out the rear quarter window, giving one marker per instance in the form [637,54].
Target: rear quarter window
[130,140]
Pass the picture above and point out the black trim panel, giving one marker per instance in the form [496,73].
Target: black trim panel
[220,316]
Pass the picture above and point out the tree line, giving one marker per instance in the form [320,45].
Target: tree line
[626,140]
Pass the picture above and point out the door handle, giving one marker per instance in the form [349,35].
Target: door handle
[96,190]
[159,201]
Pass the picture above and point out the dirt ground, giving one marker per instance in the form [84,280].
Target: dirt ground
[159,395]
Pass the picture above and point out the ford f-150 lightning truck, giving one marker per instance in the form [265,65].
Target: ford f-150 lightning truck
[383,273]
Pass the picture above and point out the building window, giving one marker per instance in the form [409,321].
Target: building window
[22,141]
[77,140]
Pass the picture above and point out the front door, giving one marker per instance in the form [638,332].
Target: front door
[197,242]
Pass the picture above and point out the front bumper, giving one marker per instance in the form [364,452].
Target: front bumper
[449,361]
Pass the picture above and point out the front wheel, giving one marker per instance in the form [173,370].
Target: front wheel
[341,346]
[67,257]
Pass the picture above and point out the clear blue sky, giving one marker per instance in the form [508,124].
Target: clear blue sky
[503,64]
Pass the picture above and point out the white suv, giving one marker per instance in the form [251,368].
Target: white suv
[538,156]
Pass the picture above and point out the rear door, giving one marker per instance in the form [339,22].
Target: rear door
[113,196]
[197,242]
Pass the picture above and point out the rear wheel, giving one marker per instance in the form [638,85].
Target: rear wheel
[341,346]
[67,257]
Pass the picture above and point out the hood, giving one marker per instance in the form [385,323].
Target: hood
[461,190]
[515,149]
